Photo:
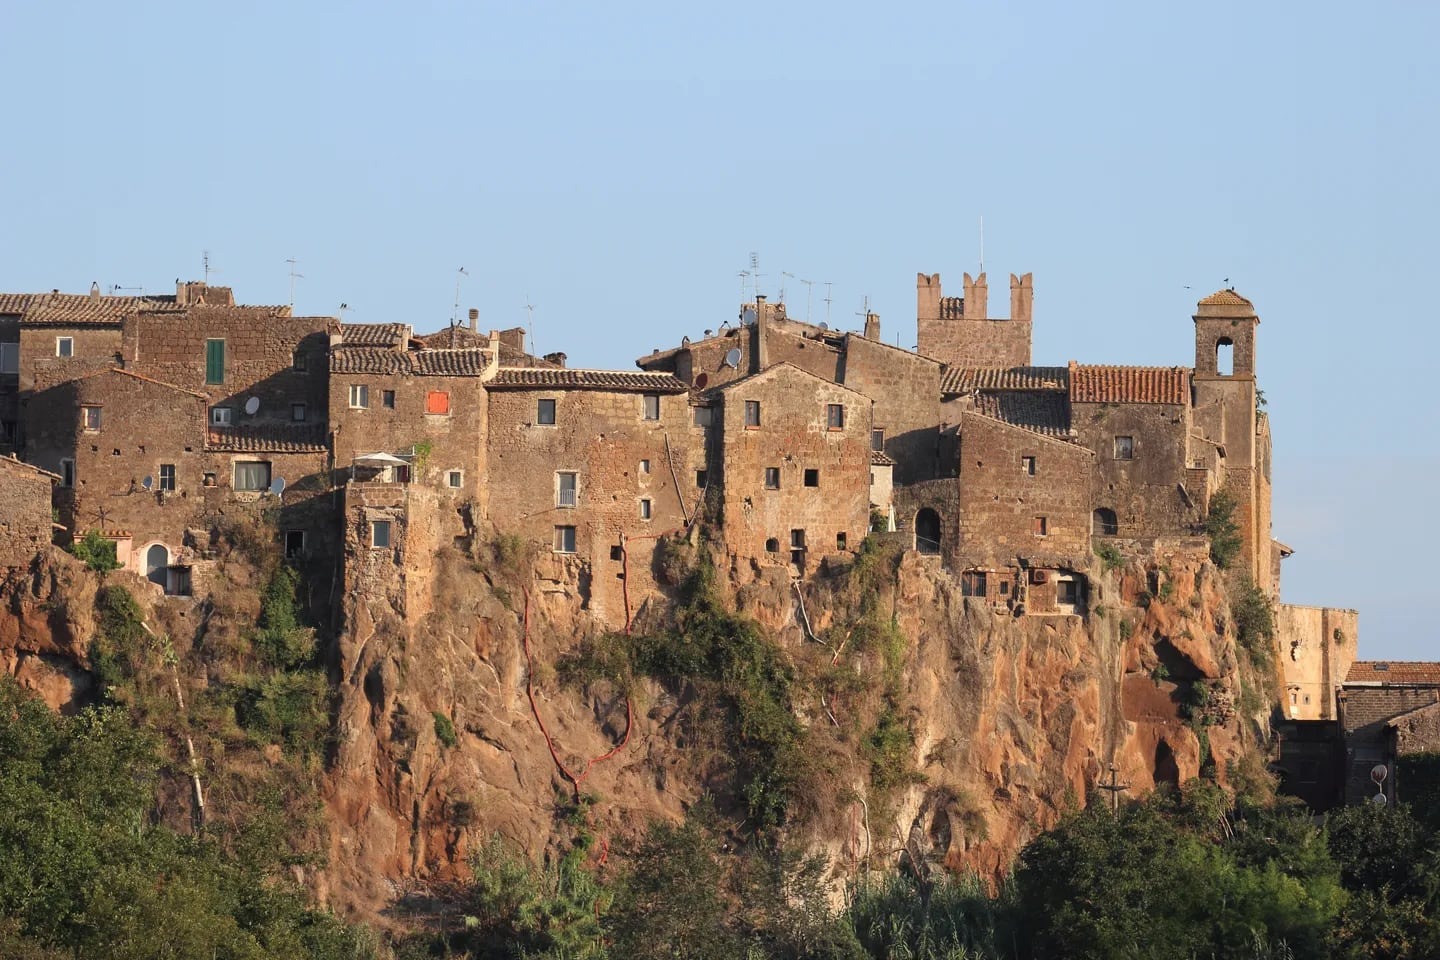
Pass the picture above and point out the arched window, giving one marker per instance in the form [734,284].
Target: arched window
[1225,357]
[1105,523]
[927,531]
[772,545]
[157,565]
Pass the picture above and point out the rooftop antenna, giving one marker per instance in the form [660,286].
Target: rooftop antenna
[755,273]
[864,308]
[744,275]
[783,275]
[455,312]
[343,308]
[982,243]
[116,288]
[530,320]
[827,301]
[809,294]
[293,277]
[205,259]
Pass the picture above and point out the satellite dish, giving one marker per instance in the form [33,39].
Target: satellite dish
[824,325]
[1379,800]
[747,317]
[701,380]
[277,486]
[1378,773]
[148,482]
[252,406]
[732,357]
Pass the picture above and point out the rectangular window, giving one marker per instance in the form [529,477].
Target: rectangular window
[90,419]
[834,416]
[214,361]
[387,399]
[564,539]
[379,533]
[840,540]
[359,396]
[812,478]
[1067,591]
[797,547]
[437,403]
[9,358]
[545,412]
[454,479]
[297,412]
[167,478]
[644,466]
[1124,448]
[221,416]
[565,489]
[651,406]
[1027,466]
[877,440]
[752,413]
[64,346]
[1040,527]
[644,509]
[701,476]
[300,362]
[704,416]
[294,544]
[67,473]
[772,478]
[252,475]
[973,583]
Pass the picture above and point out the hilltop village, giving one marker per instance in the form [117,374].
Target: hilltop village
[149,419]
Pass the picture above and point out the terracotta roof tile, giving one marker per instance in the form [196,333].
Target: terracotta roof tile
[879,458]
[1106,384]
[267,438]
[1401,672]
[453,338]
[74,309]
[956,380]
[539,378]
[373,334]
[1225,298]
[413,363]
[1043,411]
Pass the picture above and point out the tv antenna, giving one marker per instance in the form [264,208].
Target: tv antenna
[205,261]
[755,273]
[743,275]
[809,293]
[783,275]
[343,308]
[530,320]
[455,312]
[827,301]
[293,277]
[864,308]
[982,243]
[116,288]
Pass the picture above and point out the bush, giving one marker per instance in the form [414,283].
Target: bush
[445,730]
[1254,620]
[1223,530]
[96,552]
[1110,556]
[119,639]
[282,641]
[290,708]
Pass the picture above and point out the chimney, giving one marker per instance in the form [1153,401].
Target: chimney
[977,295]
[762,352]
[474,319]
[872,326]
[556,358]
[94,291]
[1022,297]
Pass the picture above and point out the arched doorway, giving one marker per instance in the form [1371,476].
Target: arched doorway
[157,565]
[1106,524]
[927,532]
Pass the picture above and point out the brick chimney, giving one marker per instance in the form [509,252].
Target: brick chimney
[474,320]
[872,326]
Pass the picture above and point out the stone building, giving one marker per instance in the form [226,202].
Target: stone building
[1387,710]
[25,525]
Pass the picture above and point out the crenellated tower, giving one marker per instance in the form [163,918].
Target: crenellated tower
[958,331]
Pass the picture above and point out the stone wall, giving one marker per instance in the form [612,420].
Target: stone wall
[95,348]
[906,391]
[1145,490]
[24,512]
[1317,646]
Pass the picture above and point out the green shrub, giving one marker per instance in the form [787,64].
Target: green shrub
[445,730]
[1254,620]
[281,641]
[1110,556]
[96,552]
[290,708]
[1223,530]
[119,639]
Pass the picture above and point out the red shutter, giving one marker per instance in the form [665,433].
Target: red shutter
[438,401]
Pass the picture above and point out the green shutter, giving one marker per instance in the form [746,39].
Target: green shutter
[214,361]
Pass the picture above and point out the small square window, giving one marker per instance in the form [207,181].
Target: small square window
[545,412]
[1040,527]
[772,478]
[752,413]
[64,346]
[564,539]
[167,478]
[9,358]
[1124,448]
[617,552]
[454,479]
[651,406]
[840,540]
[379,533]
[1027,466]
[252,475]
[294,544]
[644,466]
[222,416]
[704,416]
[1067,592]
[300,362]
[797,539]
[67,473]
[877,440]
[835,416]
[437,403]
[644,509]
[701,476]
[90,419]
[297,412]
[387,399]
[974,583]
[565,484]
[812,478]
[359,396]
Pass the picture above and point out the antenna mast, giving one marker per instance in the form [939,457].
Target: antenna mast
[755,273]
[530,320]
[982,243]
[455,311]
[783,275]
[293,277]
[809,294]
[205,259]
[827,302]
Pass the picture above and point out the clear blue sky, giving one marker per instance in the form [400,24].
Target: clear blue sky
[616,164]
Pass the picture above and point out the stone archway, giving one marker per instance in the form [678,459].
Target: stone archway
[157,565]
[927,532]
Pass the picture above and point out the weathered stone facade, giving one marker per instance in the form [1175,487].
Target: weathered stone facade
[1317,646]
[24,511]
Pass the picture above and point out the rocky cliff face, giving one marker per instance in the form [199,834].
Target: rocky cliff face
[986,727]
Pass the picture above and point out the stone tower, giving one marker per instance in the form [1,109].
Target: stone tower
[958,331]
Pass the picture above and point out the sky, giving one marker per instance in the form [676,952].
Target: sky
[614,166]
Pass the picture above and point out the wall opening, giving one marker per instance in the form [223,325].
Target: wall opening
[927,532]
[1225,357]
[1105,523]
[157,566]
[1166,769]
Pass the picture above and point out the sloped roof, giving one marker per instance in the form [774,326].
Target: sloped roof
[965,379]
[412,363]
[20,466]
[879,458]
[1401,672]
[559,378]
[1111,384]
[267,438]
[373,334]
[1225,298]
[74,309]
[453,338]
[122,372]
[1043,411]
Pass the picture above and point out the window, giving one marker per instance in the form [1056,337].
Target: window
[545,412]
[297,412]
[294,544]
[379,533]
[437,403]
[752,413]
[644,509]
[9,358]
[1124,448]
[1106,524]
[772,545]
[252,475]
[214,361]
[359,396]
[1040,527]
[617,553]
[1027,466]
[454,479]
[90,419]
[840,540]
[704,416]
[877,440]
[1067,591]
[221,416]
[644,466]
[834,416]
[812,478]
[208,480]
[299,362]
[651,406]
[772,478]
[564,489]
[564,539]
[974,583]
[1225,357]
[797,547]
[167,478]
[67,473]
[64,346]
[387,399]
[701,476]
